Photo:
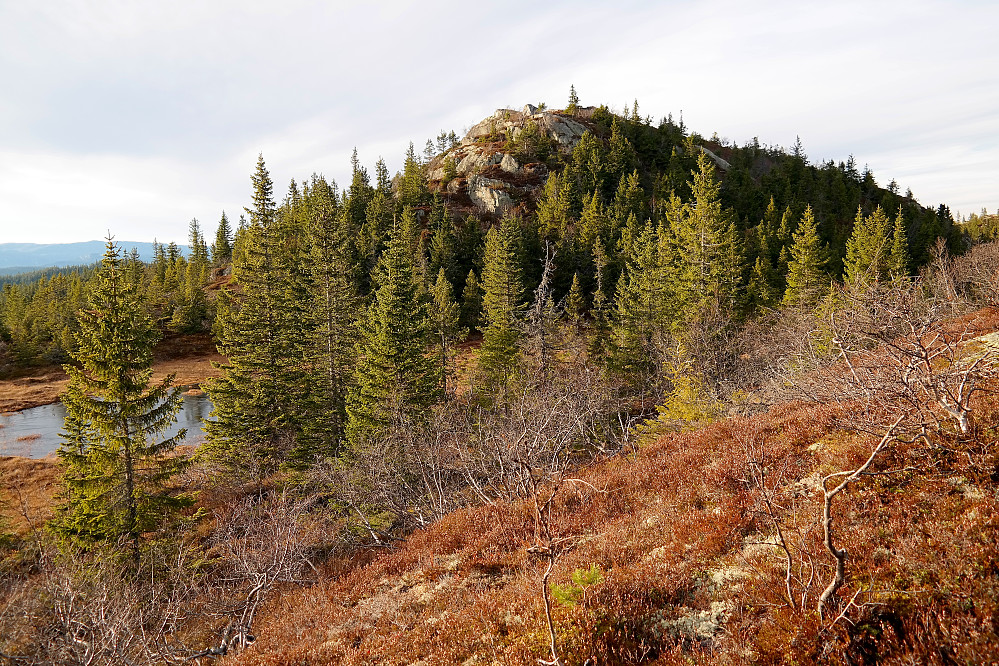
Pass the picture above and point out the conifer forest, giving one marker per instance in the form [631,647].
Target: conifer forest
[580,387]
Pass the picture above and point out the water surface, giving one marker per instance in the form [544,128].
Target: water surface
[34,433]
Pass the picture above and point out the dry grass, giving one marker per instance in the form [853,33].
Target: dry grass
[672,528]
[189,357]
[27,491]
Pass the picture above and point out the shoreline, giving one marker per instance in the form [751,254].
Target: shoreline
[48,383]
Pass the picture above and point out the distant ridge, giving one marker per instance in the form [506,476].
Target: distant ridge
[25,257]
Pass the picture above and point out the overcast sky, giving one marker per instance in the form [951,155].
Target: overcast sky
[135,116]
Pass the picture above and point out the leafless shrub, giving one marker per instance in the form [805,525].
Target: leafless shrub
[896,350]
[408,475]
[899,356]
[260,542]
[972,277]
[768,479]
[100,608]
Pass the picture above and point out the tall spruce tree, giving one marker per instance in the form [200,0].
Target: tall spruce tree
[395,380]
[115,464]
[806,277]
[334,313]
[868,249]
[707,254]
[413,184]
[222,247]
[260,399]
[645,307]
[444,316]
[471,302]
[503,301]
[898,256]
[191,310]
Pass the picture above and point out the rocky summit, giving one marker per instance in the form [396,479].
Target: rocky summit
[483,165]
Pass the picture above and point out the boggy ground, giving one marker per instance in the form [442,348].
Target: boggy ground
[189,357]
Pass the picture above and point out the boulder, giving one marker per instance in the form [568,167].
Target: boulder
[477,160]
[565,131]
[509,164]
[719,162]
[489,194]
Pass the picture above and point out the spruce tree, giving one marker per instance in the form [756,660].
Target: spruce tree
[706,250]
[575,304]
[115,464]
[333,313]
[395,380]
[868,249]
[359,193]
[644,307]
[502,281]
[573,106]
[222,247]
[471,302]
[260,412]
[806,277]
[192,307]
[898,256]
[413,184]
[444,317]
[442,243]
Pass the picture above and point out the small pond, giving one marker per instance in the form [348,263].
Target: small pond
[34,433]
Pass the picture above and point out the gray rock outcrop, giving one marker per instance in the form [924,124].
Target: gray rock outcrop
[489,194]
[482,149]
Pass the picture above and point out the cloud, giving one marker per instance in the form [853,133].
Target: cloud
[84,197]
[155,111]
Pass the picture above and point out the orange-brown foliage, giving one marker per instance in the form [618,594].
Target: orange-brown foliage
[27,492]
[668,528]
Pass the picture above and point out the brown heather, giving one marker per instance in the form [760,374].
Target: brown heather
[677,530]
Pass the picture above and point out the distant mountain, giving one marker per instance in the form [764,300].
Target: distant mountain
[24,257]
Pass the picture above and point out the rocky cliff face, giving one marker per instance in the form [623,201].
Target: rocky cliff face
[483,167]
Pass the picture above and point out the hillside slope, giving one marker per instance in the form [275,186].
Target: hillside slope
[670,555]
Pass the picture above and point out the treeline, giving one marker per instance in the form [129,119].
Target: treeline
[39,310]
[345,306]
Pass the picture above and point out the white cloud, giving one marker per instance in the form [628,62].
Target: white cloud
[151,113]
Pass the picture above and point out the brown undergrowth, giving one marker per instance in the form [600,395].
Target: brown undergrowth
[27,492]
[689,567]
[188,357]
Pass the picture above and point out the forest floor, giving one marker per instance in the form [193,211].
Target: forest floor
[189,357]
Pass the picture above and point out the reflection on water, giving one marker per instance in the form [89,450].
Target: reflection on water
[34,433]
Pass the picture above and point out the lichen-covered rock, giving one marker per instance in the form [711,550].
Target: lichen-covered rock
[719,162]
[477,160]
[509,164]
[483,148]
[489,194]
[565,131]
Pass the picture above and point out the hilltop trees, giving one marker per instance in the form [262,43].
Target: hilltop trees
[116,467]
[395,379]
[259,397]
[502,281]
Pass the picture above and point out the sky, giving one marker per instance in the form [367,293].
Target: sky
[132,118]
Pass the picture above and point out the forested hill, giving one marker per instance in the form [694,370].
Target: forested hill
[595,189]
[570,389]
[634,166]
[24,257]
